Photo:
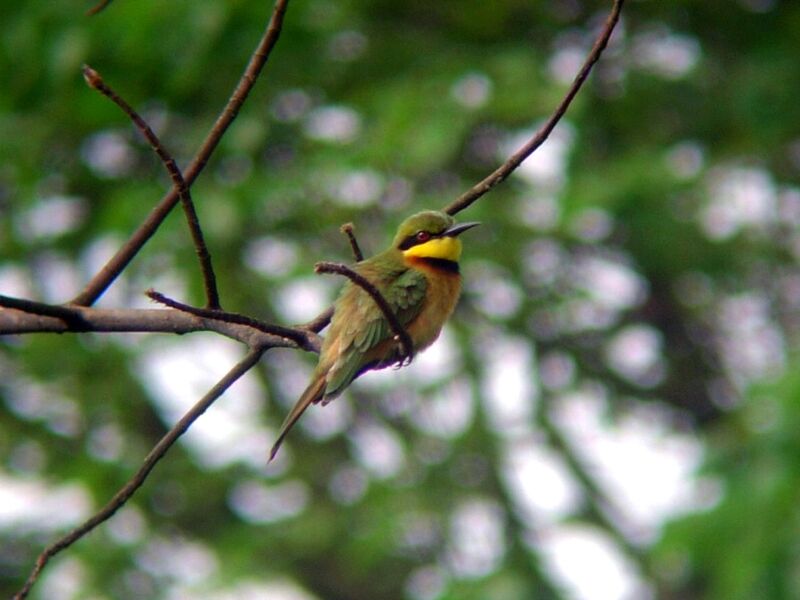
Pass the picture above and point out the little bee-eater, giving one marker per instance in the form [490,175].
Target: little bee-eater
[418,276]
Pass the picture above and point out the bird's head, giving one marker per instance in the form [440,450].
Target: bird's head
[431,234]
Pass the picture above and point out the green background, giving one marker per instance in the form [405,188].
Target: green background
[635,290]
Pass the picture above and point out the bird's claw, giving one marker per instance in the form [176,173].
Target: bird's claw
[405,358]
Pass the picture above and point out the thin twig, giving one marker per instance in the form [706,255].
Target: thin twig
[349,230]
[111,270]
[516,159]
[98,7]
[298,336]
[135,482]
[95,81]
[407,345]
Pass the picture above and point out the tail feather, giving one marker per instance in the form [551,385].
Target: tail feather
[313,393]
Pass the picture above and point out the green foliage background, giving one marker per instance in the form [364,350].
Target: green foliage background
[681,164]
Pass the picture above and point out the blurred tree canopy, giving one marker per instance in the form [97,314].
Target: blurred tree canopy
[611,413]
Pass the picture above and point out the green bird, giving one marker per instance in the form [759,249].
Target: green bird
[418,275]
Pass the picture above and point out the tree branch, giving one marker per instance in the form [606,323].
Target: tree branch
[111,270]
[24,316]
[96,82]
[135,482]
[516,159]
[407,345]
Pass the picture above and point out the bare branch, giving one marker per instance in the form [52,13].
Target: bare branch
[96,82]
[135,482]
[24,316]
[349,230]
[407,345]
[516,159]
[100,282]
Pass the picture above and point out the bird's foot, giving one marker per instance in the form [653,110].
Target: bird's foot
[404,357]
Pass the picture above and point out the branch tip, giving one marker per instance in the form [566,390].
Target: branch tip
[349,230]
[91,77]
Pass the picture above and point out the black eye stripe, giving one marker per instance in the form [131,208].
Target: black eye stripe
[412,240]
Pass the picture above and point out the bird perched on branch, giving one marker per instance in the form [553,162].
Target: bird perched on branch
[418,276]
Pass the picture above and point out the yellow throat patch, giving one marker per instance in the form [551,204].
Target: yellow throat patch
[444,248]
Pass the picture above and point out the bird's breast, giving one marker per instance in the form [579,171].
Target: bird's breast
[441,297]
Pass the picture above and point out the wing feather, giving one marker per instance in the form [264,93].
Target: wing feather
[362,325]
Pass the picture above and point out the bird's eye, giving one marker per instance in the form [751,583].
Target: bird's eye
[423,236]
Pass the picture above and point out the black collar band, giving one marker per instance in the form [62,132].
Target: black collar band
[450,266]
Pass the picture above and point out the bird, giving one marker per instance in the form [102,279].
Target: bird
[418,276]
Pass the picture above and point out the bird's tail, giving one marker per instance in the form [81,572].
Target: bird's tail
[313,393]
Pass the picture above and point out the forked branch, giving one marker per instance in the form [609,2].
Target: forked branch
[298,335]
[96,82]
[20,316]
[111,270]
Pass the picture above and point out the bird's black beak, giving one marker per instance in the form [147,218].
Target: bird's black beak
[458,229]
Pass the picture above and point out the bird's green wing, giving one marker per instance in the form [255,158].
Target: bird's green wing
[363,325]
